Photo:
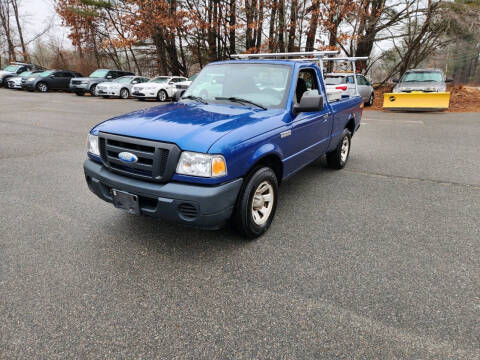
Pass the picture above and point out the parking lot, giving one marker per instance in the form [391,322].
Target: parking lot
[379,260]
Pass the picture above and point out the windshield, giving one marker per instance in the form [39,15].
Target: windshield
[123,79]
[335,80]
[423,76]
[99,74]
[12,68]
[45,73]
[25,73]
[161,79]
[264,84]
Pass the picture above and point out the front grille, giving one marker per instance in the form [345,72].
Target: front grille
[182,87]
[156,161]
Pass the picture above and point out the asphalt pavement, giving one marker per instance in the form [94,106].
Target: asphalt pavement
[378,261]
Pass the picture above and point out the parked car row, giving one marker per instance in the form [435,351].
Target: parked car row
[102,82]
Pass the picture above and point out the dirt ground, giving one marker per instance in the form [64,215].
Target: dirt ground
[462,98]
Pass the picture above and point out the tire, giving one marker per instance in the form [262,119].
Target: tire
[106,96]
[162,96]
[370,100]
[251,203]
[337,159]
[79,93]
[124,93]
[93,90]
[42,87]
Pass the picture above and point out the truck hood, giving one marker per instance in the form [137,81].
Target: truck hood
[420,86]
[192,126]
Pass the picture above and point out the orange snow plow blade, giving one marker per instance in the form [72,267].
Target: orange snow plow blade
[417,101]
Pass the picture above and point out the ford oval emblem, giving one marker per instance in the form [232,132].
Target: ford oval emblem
[128,157]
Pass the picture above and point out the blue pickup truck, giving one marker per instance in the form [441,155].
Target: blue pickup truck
[219,153]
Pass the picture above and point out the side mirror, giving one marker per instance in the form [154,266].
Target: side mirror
[171,83]
[178,95]
[109,77]
[396,80]
[309,103]
[135,82]
[448,80]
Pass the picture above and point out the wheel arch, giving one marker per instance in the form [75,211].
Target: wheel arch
[269,155]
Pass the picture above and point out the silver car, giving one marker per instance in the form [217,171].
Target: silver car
[120,87]
[346,83]
[423,80]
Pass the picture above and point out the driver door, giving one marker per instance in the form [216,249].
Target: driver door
[309,131]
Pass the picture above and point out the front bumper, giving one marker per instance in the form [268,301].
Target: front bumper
[109,92]
[79,88]
[201,206]
[145,94]
[28,86]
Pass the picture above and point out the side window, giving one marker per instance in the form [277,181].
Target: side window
[69,74]
[113,74]
[307,81]
[361,80]
[350,80]
[143,80]
[58,74]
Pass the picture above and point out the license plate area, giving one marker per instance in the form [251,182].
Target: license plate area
[126,201]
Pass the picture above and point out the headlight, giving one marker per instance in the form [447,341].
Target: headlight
[31,79]
[204,165]
[92,145]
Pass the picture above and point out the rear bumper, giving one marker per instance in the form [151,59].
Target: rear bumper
[201,206]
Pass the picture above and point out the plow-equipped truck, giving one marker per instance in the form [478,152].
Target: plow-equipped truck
[419,90]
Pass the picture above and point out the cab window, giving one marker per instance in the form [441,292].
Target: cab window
[307,81]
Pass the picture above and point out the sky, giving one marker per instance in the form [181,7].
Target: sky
[37,15]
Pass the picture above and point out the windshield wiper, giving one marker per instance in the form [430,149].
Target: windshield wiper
[196,98]
[240,100]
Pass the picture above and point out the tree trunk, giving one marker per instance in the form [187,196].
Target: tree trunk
[233,20]
[159,40]
[292,29]
[271,30]
[5,19]
[260,25]
[281,26]
[312,29]
[19,28]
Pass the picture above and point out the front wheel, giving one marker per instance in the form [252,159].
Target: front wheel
[370,100]
[42,87]
[162,96]
[337,159]
[93,90]
[124,94]
[256,204]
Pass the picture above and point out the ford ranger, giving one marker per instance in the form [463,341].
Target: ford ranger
[221,151]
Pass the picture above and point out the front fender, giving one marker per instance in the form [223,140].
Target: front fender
[264,151]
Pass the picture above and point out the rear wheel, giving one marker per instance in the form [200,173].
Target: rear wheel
[162,96]
[337,159]
[42,87]
[256,204]
[124,93]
